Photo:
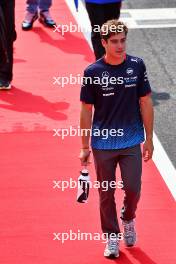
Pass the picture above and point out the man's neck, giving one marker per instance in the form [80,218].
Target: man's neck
[113,60]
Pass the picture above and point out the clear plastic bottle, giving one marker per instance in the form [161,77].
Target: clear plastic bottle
[83,186]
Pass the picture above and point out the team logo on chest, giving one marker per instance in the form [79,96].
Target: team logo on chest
[129,71]
[130,79]
[105,74]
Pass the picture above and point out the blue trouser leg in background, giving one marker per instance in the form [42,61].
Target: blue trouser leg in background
[44,5]
[33,5]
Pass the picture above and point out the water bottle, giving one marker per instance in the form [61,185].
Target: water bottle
[83,186]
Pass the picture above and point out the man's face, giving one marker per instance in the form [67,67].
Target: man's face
[115,45]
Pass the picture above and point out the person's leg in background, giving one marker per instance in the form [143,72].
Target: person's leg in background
[45,17]
[35,6]
[31,14]
[44,5]
[112,11]
[98,15]
[32,6]
[6,68]
[130,162]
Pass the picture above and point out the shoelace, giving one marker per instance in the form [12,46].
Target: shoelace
[112,244]
[129,228]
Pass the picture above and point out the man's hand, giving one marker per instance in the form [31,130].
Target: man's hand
[148,149]
[85,124]
[147,112]
[85,157]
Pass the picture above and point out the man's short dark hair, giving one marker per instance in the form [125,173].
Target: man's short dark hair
[112,27]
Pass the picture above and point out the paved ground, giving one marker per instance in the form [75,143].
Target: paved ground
[157,47]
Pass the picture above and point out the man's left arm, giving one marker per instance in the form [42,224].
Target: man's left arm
[147,113]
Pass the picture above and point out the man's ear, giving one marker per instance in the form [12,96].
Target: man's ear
[103,42]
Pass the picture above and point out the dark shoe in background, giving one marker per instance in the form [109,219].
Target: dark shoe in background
[46,19]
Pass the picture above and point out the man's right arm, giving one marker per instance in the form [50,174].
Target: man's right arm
[85,126]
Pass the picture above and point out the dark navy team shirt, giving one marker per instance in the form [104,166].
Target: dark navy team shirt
[114,90]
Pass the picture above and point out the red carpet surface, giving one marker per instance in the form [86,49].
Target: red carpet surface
[32,158]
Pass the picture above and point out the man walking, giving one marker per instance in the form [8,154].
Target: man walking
[118,88]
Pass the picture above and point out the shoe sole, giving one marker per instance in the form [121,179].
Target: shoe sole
[27,28]
[5,88]
[112,256]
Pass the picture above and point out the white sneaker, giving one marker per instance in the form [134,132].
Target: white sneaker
[129,233]
[5,85]
[29,20]
[112,248]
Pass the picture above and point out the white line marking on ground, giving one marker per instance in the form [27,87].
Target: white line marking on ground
[150,18]
[164,166]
